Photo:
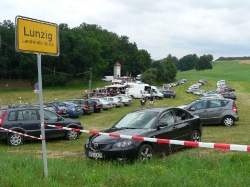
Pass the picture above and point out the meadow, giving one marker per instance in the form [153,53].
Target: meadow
[68,166]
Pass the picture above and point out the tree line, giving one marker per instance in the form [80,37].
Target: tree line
[233,58]
[89,46]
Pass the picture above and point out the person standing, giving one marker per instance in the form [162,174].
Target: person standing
[151,100]
[143,100]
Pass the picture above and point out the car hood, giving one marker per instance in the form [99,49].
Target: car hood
[109,139]
[182,106]
[69,120]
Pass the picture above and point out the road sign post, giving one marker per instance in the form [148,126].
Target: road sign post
[38,37]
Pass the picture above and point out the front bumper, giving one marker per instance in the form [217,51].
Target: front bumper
[120,154]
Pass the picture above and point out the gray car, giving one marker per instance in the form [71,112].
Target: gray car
[106,104]
[214,111]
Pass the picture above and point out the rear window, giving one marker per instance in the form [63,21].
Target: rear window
[1,112]
[89,101]
[62,107]
[224,102]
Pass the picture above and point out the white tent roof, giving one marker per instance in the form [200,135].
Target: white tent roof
[115,86]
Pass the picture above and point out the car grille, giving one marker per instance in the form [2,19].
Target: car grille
[97,146]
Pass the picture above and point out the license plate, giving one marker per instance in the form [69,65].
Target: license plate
[95,154]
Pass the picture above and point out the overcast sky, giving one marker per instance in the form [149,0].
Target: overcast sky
[162,27]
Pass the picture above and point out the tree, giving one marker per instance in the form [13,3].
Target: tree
[150,76]
[166,71]
[188,62]
[204,63]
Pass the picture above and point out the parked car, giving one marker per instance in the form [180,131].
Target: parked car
[210,96]
[125,99]
[165,123]
[226,89]
[58,107]
[97,106]
[85,104]
[168,93]
[214,111]
[27,120]
[105,104]
[191,90]
[229,95]
[115,101]
[73,109]
[200,92]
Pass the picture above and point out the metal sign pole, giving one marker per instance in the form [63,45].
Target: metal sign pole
[42,115]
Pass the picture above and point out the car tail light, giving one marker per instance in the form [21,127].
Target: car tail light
[2,117]
[86,106]
[234,108]
[97,106]
[59,112]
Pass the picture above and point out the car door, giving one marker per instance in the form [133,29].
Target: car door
[51,118]
[172,131]
[200,108]
[28,120]
[215,111]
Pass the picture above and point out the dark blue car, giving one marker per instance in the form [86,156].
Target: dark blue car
[73,109]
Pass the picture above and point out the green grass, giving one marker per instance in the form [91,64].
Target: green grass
[67,165]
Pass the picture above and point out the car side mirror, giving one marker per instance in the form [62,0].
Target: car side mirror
[162,124]
[192,109]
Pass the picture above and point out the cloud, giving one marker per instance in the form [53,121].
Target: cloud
[161,27]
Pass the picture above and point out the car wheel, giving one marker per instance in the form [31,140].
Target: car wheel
[145,153]
[172,96]
[71,135]
[15,139]
[228,121]
[196,136]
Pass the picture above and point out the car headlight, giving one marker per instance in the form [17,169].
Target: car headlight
[124,143]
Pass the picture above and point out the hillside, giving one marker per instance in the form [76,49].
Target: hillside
[15,84]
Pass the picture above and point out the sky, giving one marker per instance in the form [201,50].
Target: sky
[161,27]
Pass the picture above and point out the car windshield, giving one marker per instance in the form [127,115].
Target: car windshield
[140,120]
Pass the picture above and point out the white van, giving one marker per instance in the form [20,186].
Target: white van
[135,92]
[155,93]
[108,78]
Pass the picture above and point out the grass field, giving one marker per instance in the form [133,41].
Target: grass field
[67,165]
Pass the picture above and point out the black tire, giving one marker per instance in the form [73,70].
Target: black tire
[145,152]
[196,136]
[228,121]
[15,139]
[71,135]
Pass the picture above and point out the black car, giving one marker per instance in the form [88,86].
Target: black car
[229,95]
[97,106]
[27,121]
[168,93]
[86,104]
[164,123]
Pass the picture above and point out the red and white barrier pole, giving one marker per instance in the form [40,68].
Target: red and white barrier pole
[233,147]
[26,135]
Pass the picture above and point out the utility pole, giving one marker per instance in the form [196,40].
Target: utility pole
[90,81]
